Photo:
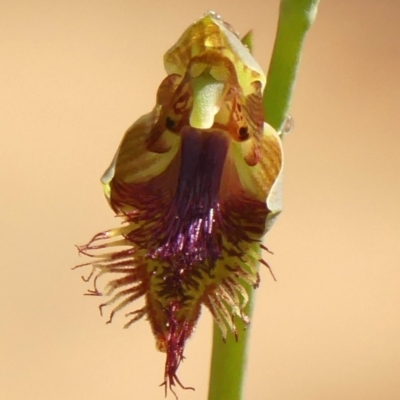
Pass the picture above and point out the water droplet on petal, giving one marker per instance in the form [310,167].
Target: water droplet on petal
[212,14]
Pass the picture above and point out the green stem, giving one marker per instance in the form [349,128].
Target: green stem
[295,18]
[228,361]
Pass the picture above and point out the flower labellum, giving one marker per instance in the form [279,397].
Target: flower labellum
[197,184]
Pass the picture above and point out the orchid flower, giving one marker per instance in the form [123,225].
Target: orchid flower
[197,184]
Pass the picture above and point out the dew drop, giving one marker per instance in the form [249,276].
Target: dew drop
[213,14]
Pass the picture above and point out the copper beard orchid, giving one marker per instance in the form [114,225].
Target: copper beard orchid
[197,185]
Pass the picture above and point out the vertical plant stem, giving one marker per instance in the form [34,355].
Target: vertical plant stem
[228,361]
[295,19]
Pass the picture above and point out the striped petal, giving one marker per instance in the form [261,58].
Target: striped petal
[197,184]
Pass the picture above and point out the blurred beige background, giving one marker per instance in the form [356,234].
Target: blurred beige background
[73,76]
